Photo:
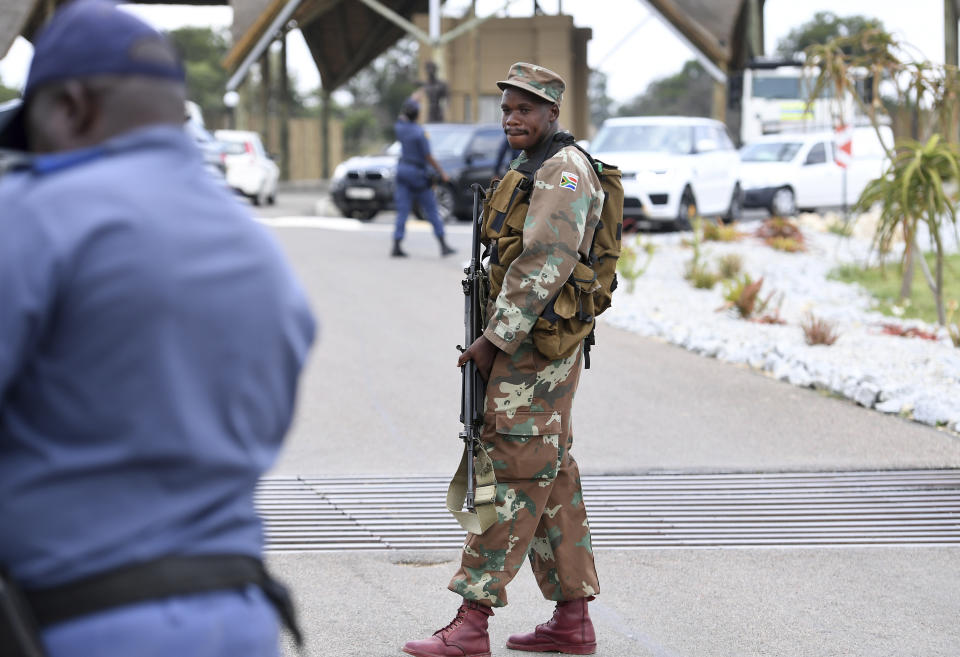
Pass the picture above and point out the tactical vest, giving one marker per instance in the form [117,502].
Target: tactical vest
[570,316]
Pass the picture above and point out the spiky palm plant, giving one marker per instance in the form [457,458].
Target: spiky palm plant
[912,192]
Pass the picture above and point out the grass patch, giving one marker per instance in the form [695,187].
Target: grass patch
[884,284]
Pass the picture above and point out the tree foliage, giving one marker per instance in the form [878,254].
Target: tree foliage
[378,92]
[687,93]
[202,50]
[601,104]
[824,27]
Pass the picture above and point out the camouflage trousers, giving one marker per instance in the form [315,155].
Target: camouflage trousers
[540,512]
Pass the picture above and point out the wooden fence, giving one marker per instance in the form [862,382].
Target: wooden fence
[304,144]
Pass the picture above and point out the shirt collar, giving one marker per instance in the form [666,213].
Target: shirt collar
[150,136]
[529,161]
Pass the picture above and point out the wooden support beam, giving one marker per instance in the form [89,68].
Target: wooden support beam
[311,11]
[691,30]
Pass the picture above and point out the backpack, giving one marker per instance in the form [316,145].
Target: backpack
[570,317]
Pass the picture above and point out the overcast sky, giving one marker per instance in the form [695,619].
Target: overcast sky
[630,43]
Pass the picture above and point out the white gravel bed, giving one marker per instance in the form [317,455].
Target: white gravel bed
[909,376]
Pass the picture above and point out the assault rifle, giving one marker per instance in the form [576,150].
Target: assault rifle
[468,487]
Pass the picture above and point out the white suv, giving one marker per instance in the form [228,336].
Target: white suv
[250,170]
[674,167]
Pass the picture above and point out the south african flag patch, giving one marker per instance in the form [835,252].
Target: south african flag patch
[569,180]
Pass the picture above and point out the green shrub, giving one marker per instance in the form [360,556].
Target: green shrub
[788,244]
[817,330]
[717,232]
[700,277]
[729,265]
[629,266]
[742,294]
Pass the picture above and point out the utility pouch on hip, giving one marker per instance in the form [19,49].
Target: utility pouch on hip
[19,633]
[569,317]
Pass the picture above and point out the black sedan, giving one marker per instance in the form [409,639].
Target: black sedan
[362,186]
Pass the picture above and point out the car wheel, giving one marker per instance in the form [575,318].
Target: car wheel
[272,199]
[363,215]
[686,212]
[735,211]
[260,198]
[783,203]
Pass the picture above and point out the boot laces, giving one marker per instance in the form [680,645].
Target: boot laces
[452,625]
[552,618]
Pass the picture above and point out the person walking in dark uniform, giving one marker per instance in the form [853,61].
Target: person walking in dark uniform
[413,181]
[151,339]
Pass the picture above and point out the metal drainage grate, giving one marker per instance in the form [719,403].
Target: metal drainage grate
[634,511]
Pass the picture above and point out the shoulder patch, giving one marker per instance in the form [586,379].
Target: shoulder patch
[569,180]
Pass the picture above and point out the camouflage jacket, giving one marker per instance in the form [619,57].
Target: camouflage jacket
[565,204]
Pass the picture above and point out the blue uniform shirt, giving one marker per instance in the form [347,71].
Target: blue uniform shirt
[151,336]
[412,168]
[413,142]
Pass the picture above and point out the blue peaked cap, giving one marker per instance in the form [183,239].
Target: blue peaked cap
[87,38]
[96,37]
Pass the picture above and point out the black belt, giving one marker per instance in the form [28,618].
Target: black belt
[161,578]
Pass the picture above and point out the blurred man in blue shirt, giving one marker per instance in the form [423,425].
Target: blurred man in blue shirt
[151,340]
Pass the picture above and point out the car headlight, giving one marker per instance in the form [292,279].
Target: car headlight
[388,173]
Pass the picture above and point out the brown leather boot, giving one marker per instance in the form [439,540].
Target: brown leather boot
[570,631]
[465,636]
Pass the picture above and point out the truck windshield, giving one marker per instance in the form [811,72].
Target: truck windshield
[770,151]
[785,87]
[676,139]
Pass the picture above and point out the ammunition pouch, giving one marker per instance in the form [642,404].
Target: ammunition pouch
[569,317]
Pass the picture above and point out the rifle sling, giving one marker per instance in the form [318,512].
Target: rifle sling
[485,497]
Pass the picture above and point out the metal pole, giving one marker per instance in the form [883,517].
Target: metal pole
[262,44]
[437,49]
[390,14]
[265,99]
[325,134]
[434,20]
[284,110]
[846,216]
[950,32]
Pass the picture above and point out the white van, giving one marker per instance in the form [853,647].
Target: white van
[673,168]
[786,172]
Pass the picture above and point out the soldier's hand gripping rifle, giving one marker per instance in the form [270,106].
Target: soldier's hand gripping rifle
[474,486]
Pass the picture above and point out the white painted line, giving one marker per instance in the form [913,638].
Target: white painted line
[344,224]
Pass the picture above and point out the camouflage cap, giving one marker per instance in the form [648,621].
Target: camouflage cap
[537,80]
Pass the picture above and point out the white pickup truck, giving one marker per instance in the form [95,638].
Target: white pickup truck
[786,172]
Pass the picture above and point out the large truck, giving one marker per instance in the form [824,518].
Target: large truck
[774,98]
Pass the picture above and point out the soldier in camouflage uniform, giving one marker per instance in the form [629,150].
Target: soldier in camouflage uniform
[527,430]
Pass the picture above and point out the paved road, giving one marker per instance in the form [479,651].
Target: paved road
[384,382]
[381,395]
